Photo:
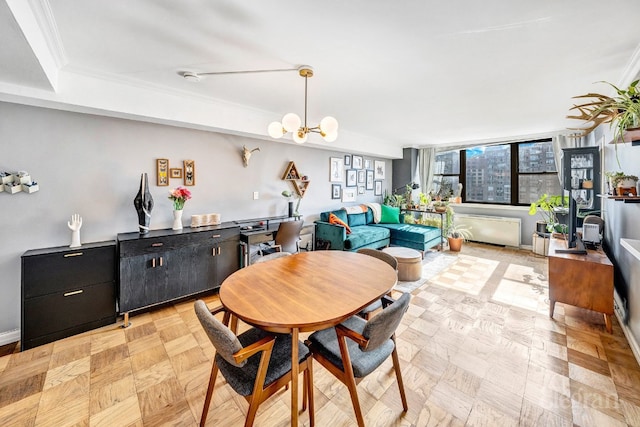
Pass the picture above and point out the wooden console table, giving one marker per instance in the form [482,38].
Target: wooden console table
[584,281]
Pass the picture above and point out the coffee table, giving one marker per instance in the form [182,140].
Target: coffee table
[409,262]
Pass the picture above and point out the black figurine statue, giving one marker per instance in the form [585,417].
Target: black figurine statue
[144,204]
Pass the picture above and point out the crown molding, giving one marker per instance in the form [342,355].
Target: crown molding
[632,70]
[41,10]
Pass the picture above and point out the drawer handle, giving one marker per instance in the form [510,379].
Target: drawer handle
[161,261]
[73,254]
[155,245]
[68,294]
[215,236]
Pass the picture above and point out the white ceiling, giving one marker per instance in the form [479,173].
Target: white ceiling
[394,74]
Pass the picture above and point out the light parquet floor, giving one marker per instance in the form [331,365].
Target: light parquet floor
[477,348]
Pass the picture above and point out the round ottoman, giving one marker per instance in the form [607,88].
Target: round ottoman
[409,262]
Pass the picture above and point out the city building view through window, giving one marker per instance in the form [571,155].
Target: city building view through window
[490,173]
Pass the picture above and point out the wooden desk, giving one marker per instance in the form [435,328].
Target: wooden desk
[584,281]
[305,292]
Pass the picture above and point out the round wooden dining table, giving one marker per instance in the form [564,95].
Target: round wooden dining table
[305,292]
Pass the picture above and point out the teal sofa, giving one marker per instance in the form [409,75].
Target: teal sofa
[365,233]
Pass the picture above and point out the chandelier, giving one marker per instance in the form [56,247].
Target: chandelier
[328,127]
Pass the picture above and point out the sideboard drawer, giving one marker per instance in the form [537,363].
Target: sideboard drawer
[64,310]
[59,271]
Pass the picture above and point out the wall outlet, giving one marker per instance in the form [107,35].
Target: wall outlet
[256,195]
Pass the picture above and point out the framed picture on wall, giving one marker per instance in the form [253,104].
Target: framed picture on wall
[349,195]
[189,172]
[347,160]
[162,172]
[362,176]
[352,177]
[369,183]
[360,189]
[335,191]
[175,172]
[357,162]
[379,169]
[378,188]
[336,169]
[367,164]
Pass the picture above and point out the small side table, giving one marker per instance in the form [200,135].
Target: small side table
[409,262]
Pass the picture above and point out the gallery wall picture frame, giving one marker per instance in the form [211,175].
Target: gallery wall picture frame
[367,164]
[336,169]
[379,169]
[336,191]
[175,173]
[357,162]
[162,172]
[352,178]
[369,183]
[362,176]
[378,188]
[347,160]
[349,195]
[189,172]
[360,189]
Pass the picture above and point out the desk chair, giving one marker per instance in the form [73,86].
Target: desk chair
[389,259]
[269,257]
[256,364]
[287,238]
[355,348]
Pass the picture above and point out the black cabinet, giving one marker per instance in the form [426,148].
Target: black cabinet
[164,265]
[581,173]
[66,291]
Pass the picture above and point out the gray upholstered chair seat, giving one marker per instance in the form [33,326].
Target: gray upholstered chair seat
[243,379]
[269,257]
[325,342]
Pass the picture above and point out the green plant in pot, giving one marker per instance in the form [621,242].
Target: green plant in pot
[621,111]
[624,184]
[456,234]
[548,207]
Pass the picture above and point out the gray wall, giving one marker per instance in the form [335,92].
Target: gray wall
[621,221]
[91,165]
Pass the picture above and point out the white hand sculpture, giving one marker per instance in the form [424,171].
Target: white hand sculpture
[74,225]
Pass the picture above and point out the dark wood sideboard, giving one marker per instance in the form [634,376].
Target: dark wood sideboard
[165,265]
[66,291]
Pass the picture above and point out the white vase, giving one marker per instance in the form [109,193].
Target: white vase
[177,219]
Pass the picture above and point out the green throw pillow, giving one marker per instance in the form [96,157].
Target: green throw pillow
[389,215]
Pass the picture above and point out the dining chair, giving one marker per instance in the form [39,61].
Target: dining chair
[287,238]
[269,257]
[389,259]
[256,364]
[356,347]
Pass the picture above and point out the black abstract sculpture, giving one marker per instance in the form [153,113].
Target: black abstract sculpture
[144,204]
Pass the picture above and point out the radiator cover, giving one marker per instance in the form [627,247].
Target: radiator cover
[496,230]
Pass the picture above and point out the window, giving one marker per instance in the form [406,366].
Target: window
[489,173]
[537,174]
[447,172]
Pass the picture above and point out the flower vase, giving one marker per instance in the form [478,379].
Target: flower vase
[177,219]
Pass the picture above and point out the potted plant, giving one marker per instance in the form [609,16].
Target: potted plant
[548,206]
[624,184]
[456,234]
[440,206]
[621,111]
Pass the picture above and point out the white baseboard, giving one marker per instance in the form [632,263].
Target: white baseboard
[620,314]
[9,337]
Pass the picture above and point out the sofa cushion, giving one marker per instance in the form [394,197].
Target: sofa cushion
[365,234]
[340,213]
[357,219]
[333,219]
[412,232]
[389,215]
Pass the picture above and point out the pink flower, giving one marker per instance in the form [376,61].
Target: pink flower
[179,196]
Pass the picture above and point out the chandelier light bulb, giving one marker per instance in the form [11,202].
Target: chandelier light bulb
[329,125]
[300,136]
[291,122]
[330,137]
[275,130]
